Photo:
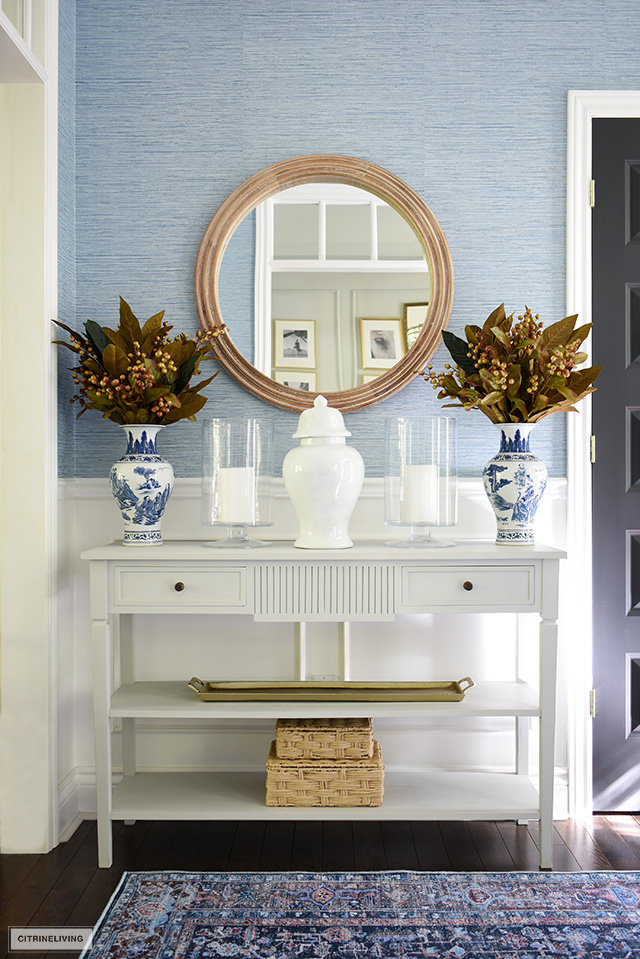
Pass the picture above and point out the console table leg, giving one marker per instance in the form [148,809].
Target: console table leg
[548,658]
[121,627]
[102,737]
[300,635]
[522,745]
[344,635]
[129,747]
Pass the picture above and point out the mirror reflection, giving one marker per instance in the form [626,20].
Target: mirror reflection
[324,287]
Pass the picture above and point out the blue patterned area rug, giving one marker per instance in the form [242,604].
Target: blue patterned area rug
[404,915]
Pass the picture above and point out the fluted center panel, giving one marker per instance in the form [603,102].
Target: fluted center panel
[326,591]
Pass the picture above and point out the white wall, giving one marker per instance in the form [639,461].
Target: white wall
[445,647]
[28,194]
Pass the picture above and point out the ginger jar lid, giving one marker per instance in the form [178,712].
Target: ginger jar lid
[320,420]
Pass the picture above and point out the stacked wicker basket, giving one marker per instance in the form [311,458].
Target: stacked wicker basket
[324,762]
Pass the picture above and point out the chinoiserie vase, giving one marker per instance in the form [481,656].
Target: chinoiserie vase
[323,477]
[141,482]
[514,480]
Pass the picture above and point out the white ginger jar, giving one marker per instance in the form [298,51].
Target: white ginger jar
[323,477]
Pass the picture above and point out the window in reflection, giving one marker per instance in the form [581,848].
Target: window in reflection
[396,239]
[295,231]
[348,231]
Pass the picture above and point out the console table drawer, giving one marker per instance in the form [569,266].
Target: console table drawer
[462,586]
[171,587]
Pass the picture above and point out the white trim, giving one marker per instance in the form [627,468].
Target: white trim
[328,193]
[51,385]
[97,488]
[583,106]
[70,813]
[72,825]
[27,22]
[262,287]
[28,727]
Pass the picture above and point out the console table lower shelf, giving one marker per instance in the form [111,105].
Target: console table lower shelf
[428,794]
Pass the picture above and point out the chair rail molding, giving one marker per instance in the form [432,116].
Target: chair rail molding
[583,106]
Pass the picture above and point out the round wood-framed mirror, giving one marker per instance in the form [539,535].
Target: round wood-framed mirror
[325,169]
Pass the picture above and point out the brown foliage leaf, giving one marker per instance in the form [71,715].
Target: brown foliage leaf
[115,361]
[497,318]
[129,324]
[558,334]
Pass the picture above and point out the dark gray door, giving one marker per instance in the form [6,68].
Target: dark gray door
[616,472]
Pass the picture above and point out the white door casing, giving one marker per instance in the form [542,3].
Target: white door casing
[28,474]
[583,107]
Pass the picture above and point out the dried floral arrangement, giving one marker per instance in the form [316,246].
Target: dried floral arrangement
[516,372]
[138,374]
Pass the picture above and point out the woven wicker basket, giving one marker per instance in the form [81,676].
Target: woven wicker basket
[325,782]
[324,738]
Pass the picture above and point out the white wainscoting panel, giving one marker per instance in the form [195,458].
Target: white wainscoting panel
[228,647]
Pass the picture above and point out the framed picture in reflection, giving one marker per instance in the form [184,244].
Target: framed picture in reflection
[296,380]
[382,343]
[415,315]
[294,344]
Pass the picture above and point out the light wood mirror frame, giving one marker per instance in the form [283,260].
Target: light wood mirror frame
[325,169]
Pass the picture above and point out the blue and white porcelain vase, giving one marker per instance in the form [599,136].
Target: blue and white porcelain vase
[514,480]
[141,482]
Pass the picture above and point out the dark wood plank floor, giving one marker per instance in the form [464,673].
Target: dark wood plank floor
[65,887]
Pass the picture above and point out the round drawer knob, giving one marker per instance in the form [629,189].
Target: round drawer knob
[179,587]
[466,585]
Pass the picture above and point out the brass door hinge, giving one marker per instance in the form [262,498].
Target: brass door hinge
[592,448]
[592,193]
[592,703]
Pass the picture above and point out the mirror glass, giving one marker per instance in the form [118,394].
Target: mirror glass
[334,288]
[332,279]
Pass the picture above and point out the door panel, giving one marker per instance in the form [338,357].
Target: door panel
[616,472]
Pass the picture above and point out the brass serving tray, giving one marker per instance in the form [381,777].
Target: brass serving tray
[413,692]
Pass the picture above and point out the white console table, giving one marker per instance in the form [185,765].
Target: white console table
[369,582]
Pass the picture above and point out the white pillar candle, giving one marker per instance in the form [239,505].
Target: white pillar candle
[419,499]
[237,495]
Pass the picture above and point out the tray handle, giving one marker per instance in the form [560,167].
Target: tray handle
[467,679]
[196,684]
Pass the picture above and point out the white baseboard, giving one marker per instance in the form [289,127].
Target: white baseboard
[76,800]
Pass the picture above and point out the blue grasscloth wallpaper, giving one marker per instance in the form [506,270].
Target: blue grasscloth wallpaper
[175,104]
